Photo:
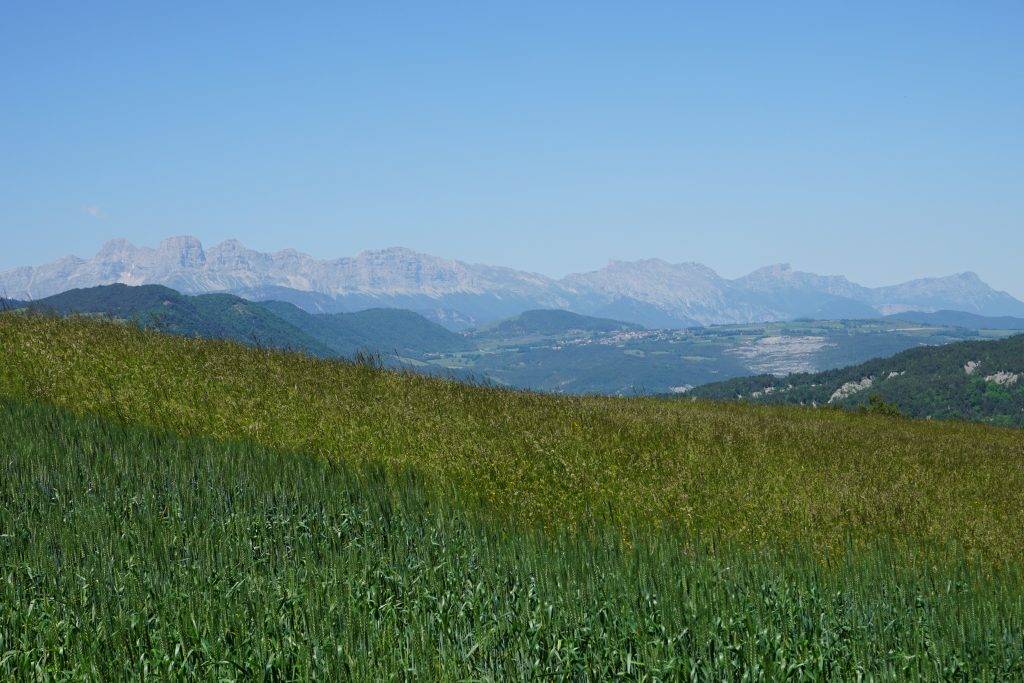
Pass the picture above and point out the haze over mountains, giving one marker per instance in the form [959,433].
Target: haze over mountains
[650,292]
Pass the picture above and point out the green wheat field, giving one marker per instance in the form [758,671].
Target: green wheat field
[177,508]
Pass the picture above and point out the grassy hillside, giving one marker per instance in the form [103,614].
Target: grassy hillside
[178,507]
[128,552]
[981,381]
[753,475]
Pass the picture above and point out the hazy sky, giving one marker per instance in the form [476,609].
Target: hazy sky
[881,140]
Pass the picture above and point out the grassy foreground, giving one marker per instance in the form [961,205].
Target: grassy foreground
[128,552]
[751,476]
[182,508]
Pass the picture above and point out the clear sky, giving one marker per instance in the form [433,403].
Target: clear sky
[883,140]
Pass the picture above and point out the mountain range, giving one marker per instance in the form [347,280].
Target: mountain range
[649,292]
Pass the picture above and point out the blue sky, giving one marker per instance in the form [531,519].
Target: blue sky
[883,141]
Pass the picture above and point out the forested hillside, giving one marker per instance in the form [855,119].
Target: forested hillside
[210,316]
[391,333]
[549,323]
[385,330]
[973,380]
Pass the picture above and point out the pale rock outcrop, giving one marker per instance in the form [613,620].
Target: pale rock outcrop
[851,388]
[1002,378]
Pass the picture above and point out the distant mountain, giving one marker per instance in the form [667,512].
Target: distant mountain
[274,324]
[793,294]
[689,292]
[960,319]
[651,292]
[549,323]
[971,380]
[962,292]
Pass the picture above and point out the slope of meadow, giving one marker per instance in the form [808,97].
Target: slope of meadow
[750,474]
[128,552]
[183,508]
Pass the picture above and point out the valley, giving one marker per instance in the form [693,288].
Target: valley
[541,350]
[632,361]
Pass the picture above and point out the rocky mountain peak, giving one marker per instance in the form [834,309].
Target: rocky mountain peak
[116,246]
[183,250]
[775,270]
[230,246]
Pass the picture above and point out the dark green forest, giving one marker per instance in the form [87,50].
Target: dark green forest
[972,380]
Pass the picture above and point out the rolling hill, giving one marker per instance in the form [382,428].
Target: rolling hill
[206,509]
[211,316]
[974,380]
[472,434]
[549,323]
[390,332]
